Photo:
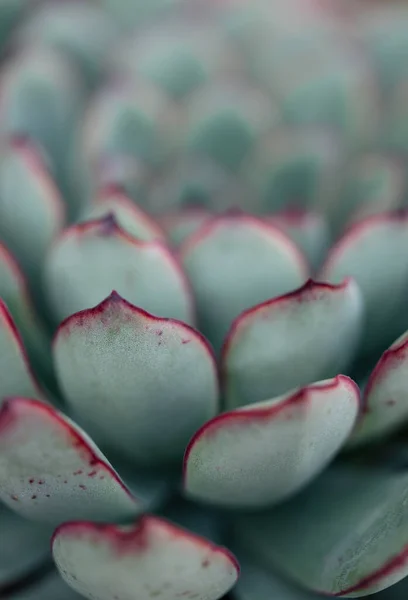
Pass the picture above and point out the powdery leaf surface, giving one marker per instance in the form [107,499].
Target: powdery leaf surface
[150,559]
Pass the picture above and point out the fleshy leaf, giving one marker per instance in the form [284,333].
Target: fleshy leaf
[180,225]
[40,99]
[345,536]
[113,200]
[31,208]
[130,119]
[235,262]
[195,181]
[292,168]
[264,353]
[51,587]
[257,583]
[385,402]
[16,377]
[177,56]
[90,259]
[24,547]
[13,291]
[374,184]
[123,372]
[261,454]
[50,470]
[375,253]
[142,561]
[224,121]
[308,230]
[82,31]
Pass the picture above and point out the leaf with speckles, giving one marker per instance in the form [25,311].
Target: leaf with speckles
[91,259]
[24,547]
[151,559]
[51,471]
[123,372]
[385,401]
[264,353]
[261,454]
[346,535]
[236,261]
[375,253]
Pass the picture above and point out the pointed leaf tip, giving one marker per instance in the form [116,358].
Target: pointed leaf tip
[94,257]
[385,395]
[264,352]
[50,470]
[123,370]
[229,261]
[150,559]
[374,251]
[261,454]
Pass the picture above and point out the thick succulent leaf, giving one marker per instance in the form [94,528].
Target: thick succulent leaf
[31,208]
[51,471]
[178,56]
[193,181]
[346,535]
[258,583]
[113,200]
[130,119]
[224,121]
[235,262]
[385,402]
[24,546]
[41,98]
[294,168]
[142,561]
[13,291]
[374,184]
[180,225]
[308,230]
[331,93]
[90,259]
[375,253]
[51,587]
[82,31]
[289,342]
[261,454]
[123,372]
[16,377]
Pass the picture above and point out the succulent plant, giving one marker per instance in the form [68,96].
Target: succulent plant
[203,284]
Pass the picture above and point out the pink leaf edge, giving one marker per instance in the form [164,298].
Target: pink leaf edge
[303,294]
[80,319]
[14,407]
[232,216]
[7,318]
[355,230]
[389,360]
[134,539]
[255,414]
[108,226]
[118,192]
[28,150]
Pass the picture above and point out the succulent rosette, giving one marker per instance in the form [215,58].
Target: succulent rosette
[203,291]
